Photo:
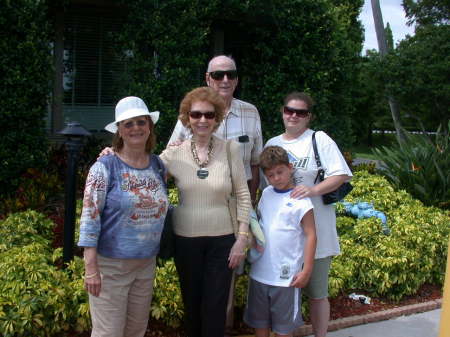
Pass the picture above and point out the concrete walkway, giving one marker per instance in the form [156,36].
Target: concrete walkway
[425,324]
[415,320]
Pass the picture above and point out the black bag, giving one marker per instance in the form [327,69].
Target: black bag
[167,242]
[334,196]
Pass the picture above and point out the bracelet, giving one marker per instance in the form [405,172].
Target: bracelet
[243,233]
[90,276]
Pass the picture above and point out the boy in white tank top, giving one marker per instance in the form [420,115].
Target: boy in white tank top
[274,296]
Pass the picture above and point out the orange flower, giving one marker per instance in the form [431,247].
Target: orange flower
[414,167]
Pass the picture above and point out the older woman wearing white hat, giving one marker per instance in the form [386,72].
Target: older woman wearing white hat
[124,206]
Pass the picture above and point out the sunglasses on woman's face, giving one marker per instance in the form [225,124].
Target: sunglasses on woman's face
[288,111]
[198,114]
[220,74]
[130,124]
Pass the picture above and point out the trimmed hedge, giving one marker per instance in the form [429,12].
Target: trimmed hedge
[25,65]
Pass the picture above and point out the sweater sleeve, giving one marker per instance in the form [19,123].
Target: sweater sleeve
[166,156]
[240,184]
[93,204]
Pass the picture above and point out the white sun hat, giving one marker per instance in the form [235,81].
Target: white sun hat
[130,107]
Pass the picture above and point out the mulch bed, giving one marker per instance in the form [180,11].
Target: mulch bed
[341,306]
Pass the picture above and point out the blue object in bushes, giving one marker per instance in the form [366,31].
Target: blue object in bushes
[365,210]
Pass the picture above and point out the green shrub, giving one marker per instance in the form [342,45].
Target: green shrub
[21,229]
[35,297]
[369,167]
[421,167]
[38,299]
[167,304]
[79,300]
[398,264]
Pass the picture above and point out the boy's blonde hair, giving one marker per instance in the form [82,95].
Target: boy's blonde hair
[273,156]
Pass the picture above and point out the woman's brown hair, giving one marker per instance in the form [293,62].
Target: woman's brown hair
[117,142]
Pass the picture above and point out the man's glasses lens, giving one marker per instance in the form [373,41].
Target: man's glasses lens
[199,114]
[299,112]
[220,74]
[130,124]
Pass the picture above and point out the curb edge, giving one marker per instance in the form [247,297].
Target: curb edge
[378,316]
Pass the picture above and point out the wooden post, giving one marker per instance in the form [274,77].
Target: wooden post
[444,330]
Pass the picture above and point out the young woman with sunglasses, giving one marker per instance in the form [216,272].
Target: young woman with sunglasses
[207,247]
[297,141]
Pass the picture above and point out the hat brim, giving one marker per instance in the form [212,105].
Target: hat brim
[112,127]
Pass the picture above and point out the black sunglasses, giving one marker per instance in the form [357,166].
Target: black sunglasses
[139,122]
[218,75]
[198,114]
[299,112]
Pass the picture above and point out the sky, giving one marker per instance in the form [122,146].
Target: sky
[393,13]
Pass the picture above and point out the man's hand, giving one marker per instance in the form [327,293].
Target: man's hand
[176,143]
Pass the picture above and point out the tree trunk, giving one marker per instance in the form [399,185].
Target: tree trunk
[383,49]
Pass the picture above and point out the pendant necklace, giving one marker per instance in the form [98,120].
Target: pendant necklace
[202,172]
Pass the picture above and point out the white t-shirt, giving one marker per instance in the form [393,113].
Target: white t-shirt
[301,155]
[280,218]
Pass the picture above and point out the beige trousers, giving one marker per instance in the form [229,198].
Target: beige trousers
[123,307]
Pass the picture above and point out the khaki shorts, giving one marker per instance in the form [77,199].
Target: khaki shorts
[317,286]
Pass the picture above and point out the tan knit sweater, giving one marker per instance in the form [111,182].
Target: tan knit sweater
[203,203]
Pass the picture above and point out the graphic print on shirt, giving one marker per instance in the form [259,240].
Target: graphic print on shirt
[143,191]
[298,164]
[94,182]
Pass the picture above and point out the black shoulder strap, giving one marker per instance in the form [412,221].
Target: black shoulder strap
[316,153]
[230,164]
[320,172]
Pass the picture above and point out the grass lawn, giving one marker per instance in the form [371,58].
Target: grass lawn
[362,150]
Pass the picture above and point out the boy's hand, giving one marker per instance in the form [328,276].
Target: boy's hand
[105,152]
[254,244]
[259,248]
[300,279]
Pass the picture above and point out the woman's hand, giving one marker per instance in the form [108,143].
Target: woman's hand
[93,283]
[328,185]
[302,191]
[237,253]
[92,280]
[106,151]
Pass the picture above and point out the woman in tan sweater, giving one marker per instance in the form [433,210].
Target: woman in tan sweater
[207,247]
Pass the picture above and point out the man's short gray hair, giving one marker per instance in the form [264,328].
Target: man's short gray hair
[215,57]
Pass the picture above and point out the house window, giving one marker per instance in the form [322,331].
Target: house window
[92,66]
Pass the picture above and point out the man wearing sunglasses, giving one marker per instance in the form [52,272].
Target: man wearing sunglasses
[242,122]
